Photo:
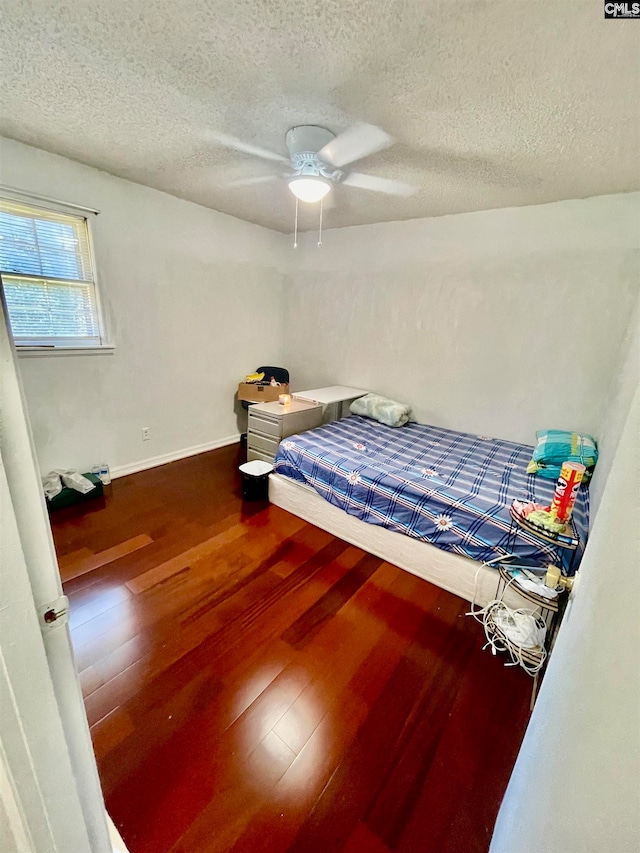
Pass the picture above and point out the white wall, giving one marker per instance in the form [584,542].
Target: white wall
[575,787]
[194,300]
[616,408]
[499,322]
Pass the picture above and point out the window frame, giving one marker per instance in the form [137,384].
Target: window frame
[64,346]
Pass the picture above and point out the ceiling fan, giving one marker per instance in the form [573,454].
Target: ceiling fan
[319,159]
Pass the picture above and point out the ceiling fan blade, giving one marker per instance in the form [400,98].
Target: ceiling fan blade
[329,201]
[354,144]
[378,185]
[238,145]
[250,182]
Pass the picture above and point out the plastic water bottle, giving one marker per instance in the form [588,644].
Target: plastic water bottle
[105,475]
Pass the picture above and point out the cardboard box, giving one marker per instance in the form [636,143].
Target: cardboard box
[252,392]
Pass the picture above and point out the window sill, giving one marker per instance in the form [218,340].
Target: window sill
[43,352]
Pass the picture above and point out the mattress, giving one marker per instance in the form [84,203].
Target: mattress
[448,488]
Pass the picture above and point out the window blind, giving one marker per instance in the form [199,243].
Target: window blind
[48,278]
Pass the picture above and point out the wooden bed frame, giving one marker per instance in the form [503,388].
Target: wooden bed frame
[460,575]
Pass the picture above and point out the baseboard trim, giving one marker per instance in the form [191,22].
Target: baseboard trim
[155,461]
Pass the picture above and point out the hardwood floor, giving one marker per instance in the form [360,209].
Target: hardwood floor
[254,684]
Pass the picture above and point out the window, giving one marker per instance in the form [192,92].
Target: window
[48,277]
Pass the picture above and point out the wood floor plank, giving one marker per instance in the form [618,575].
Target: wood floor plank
[362,840]
[72,557]
[396,798]
[84,565]
[154,576]
[149,610]
[90,680]
[459,757]
[217,641]
[100,602]
[256,685]
[203,747]
[111,731]
[274,827]
[342,803]
[153,629]
[331,602]
[173,538]
[85,588]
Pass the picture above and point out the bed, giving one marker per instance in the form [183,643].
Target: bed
[399,492]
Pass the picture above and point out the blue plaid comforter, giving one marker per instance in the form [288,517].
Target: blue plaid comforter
[448,488]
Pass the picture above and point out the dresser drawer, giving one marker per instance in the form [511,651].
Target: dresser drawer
[258,454]
[265,424]
[301,421]
[265,443]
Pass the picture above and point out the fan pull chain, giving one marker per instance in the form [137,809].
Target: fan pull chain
[295,232]
[320,229]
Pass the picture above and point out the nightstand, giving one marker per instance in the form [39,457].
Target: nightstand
[269,423]
[335,399]
[566,544]
[548,610]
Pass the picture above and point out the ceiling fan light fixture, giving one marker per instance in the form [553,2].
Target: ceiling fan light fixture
[308,188]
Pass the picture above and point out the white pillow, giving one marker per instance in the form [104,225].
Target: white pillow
[381,409]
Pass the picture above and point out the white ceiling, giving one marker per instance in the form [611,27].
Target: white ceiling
[491,104]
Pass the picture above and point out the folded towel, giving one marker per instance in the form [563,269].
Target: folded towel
[381,409]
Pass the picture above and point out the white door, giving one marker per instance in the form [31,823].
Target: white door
[50,797]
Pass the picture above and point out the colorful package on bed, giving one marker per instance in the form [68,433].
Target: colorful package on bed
[555,446]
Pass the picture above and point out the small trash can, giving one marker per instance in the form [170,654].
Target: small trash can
[255,480]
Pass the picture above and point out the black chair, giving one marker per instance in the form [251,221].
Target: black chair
[280,374]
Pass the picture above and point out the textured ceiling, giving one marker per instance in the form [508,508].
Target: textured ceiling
[491,104]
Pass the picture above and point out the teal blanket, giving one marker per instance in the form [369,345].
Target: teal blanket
[555,446]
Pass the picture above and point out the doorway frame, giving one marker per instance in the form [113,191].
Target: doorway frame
[50,794]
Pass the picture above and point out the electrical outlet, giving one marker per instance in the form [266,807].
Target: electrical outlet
[146,433]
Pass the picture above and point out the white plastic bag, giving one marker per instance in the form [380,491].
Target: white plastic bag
[52,485]
[73,480]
